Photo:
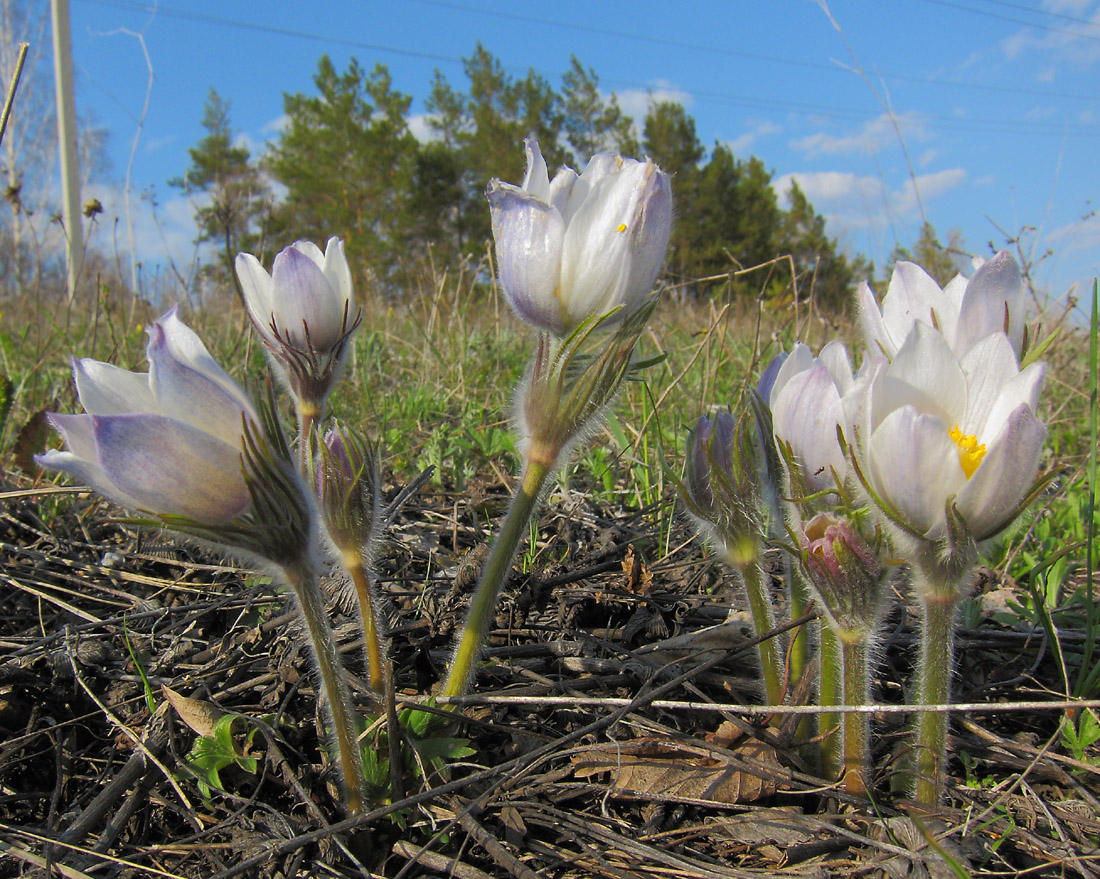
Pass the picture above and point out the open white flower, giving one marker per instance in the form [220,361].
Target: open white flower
[577,247]
[165,442]
[810,397]
[940,428]
[965,311]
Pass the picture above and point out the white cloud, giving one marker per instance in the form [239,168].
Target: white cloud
[880,132]
[635,102]
[1066,41]
[275,126]
[927,157]
[757,129]
[849,201]
[421,129]
[1080,235]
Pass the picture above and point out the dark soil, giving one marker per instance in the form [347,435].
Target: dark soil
[585,759]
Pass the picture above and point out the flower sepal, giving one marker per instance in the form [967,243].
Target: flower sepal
[569,387]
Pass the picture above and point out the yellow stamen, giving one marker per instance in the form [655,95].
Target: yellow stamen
[622,227]
[971,451]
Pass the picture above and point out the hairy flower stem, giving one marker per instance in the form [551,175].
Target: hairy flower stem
[770,651]
[857,760]
[937,654]
[372,637]
[309,416]
[302,578]
[799,601]
[829,696]
[535,475]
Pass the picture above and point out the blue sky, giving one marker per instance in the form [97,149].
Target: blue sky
[985,114]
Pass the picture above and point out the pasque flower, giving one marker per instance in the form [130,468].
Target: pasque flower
[305,312]
[579,246]
[948,452]
[810,398]
[165,442]
[185,444]
[941,429]
[965,311]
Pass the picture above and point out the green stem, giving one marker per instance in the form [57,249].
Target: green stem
[302,578]
[829,696]
[799,598]
[937,653]
[770,650]
[496,571]
[857,726]
[372,639]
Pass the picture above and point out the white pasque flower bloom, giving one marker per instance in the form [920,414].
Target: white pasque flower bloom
[165,442]
[809,398]
[939,426]
[965,311]
[304,311]
[577,247]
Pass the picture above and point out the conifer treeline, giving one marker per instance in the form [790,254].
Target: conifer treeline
[347,163]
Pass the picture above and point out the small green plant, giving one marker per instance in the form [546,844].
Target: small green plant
[1078,737]
[209,755]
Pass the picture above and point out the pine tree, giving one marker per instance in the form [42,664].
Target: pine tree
[232,198]
[347,160]
[592,124]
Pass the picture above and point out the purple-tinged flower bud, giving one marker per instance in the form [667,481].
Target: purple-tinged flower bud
[305,312]
[845,573]
[348,483]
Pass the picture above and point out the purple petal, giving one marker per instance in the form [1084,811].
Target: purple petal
[166,466]
[529,234]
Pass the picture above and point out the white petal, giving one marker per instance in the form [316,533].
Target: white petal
[1021,389]
[339,275]
[913,296]
[308,248]
[799,360]
[109,390]
[529,235]
[307,307]
[195,390]
[1005,474]
[257,289]
[834,357]
[537,180]
[987,366]
[995,290]
[876,336]
[915,467]
[927,364]
[806,413]
[561,190]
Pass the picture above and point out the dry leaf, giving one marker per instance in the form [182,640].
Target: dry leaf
[638,578]
[678,771]
[196,713]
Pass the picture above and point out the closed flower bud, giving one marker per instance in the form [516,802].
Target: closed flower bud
[578,247]
[305,312]
[844,572]
[348,483]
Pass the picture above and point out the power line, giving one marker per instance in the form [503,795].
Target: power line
[1045,27]
[1045,12]
[997,126]
[738,53]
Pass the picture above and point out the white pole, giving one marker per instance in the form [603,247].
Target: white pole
[66,138]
